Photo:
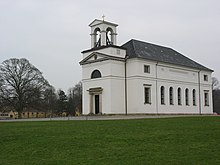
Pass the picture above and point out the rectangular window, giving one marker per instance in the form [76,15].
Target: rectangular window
[146,69]
[118,51]
[205,77]
[147,94]
[206,98]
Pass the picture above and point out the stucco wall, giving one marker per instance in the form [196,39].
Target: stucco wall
[112,82]
[167,76]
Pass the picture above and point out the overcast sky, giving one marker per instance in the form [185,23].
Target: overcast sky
[51,34]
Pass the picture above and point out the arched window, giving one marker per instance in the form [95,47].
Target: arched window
[171,95]
[162,95]
[97,34]
[96,74]
[109,36]
[179,96]
[187,96]
[194,96]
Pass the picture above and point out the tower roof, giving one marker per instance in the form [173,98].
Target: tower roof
[97,22]
[144,50]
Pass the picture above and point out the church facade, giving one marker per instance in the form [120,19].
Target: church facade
[141,78]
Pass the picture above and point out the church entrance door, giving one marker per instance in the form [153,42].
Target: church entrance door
[95,100]
[96,104]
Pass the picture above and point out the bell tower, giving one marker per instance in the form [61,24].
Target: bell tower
[103,33]
[103,71]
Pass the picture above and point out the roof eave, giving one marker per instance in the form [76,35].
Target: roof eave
[197,68]
[102,47]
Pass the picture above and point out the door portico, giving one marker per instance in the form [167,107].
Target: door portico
[95,100]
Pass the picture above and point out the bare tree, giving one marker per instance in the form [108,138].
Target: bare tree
[21,84]
[75,98]
[216,95]
[49,100]
[215,83]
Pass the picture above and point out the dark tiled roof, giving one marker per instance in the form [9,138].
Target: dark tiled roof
[139,49]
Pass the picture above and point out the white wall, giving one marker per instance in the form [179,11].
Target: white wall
[111,51]
[167,76]
[136,81]
[204,87]
[112,83]
[136,96]
[104,97]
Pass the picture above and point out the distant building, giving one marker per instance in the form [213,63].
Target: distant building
[9,114]
[140,77]
[31,113]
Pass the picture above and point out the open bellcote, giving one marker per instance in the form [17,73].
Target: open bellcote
[103,33]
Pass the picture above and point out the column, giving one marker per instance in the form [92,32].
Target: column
[91,104]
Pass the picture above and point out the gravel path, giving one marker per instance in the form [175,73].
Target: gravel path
[104,117]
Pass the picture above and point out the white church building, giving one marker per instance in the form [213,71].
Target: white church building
[141,78]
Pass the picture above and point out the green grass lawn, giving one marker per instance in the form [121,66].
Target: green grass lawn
[186,140]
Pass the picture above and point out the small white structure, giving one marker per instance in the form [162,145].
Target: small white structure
[140,77]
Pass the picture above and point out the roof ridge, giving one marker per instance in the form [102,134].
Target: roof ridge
[153,44]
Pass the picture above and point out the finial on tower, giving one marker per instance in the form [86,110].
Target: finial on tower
[103,18]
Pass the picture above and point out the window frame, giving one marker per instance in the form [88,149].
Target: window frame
[171,95]
[205,77]
[194,97]
[147,95]
[206,98]
[162,95]
[187,97]
[146,68]
[96,74]
[179,97]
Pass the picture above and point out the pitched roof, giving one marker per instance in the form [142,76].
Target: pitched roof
[97,22]
[104,58]
[140,49]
